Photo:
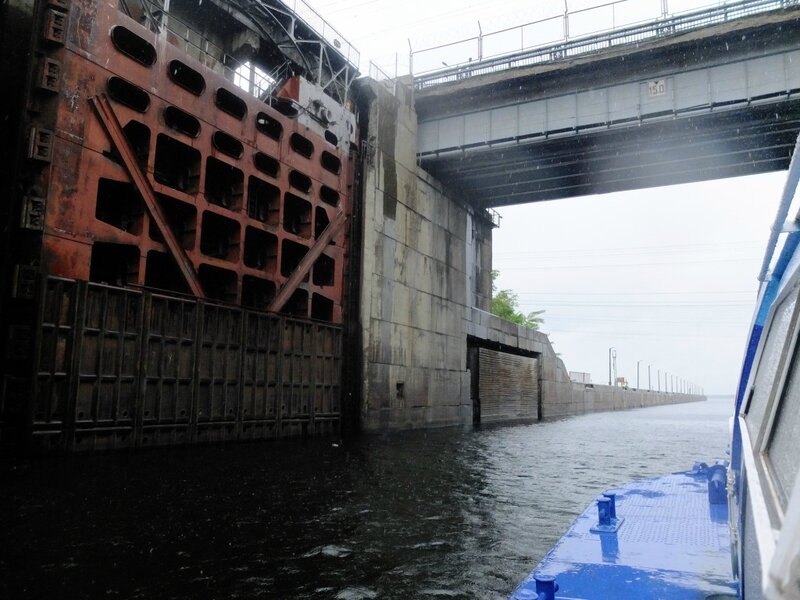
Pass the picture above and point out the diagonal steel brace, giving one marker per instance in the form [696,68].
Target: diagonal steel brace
[117,136]
[302,269]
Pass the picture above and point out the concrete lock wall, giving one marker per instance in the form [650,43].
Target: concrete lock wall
[561,397]
[416,282]
[426,289]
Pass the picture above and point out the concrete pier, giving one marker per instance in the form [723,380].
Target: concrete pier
[426,292]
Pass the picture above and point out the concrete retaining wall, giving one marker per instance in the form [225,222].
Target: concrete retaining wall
[560,396]
[416,282]
[426,266]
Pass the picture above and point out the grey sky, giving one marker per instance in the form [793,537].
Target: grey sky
[666,276]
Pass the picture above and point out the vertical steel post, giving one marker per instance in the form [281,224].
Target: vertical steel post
[411,69]
[165,18]
[637,373]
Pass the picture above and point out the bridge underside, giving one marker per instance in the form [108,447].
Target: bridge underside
[711,102]
[726,144]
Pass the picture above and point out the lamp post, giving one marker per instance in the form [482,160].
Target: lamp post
[637,373]
[658,379]
[649,386]
[610,351]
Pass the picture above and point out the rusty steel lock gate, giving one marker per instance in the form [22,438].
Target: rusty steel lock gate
[120,368]
[144,164]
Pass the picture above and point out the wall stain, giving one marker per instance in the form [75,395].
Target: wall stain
[387,135]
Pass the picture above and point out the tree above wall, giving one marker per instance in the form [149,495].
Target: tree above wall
[505,304]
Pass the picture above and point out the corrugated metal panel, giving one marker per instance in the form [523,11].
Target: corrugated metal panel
[508,386]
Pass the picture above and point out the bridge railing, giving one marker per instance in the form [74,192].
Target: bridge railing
[568,48]
[399,87]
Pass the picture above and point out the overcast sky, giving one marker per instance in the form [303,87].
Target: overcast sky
[667,277]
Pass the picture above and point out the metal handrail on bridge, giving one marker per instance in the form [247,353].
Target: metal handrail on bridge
[592,43]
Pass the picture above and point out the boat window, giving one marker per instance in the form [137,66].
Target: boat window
[784,443]
[770,362]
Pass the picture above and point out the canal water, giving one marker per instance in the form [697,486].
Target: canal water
[442,514]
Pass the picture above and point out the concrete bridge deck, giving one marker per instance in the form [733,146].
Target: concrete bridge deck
[683,104]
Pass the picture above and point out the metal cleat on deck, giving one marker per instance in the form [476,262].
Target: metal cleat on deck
[607,514]
[718,483]
[546,586]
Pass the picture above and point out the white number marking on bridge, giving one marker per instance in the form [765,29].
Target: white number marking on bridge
[657,87]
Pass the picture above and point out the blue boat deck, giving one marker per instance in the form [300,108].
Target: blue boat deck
[670,543]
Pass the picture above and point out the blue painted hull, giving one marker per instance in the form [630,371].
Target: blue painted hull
[671,544]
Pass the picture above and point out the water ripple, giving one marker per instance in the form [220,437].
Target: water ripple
[441,514]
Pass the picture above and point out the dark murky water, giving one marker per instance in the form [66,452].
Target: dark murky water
[445,514]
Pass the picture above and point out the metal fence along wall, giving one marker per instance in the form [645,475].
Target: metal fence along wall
[120,368]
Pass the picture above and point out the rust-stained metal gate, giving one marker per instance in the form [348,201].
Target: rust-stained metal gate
[508,387]
[175,266]
[120,367]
